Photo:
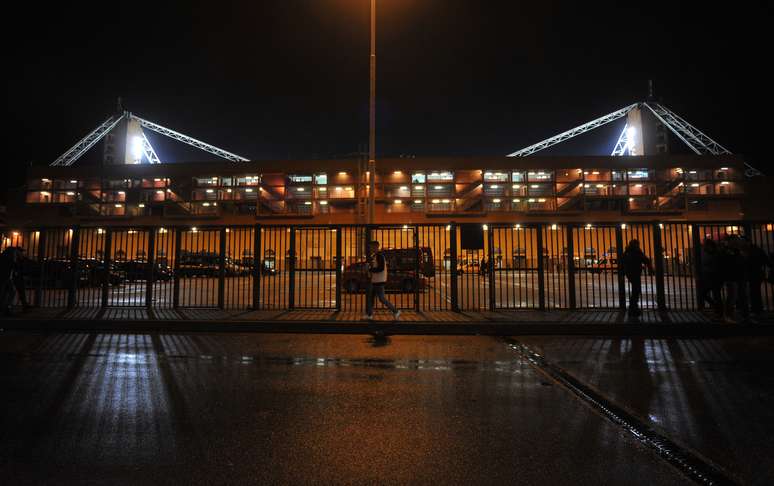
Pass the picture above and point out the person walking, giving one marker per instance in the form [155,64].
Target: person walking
[18,278]
[633,261]
[8,261]
[377,268]
[733,273]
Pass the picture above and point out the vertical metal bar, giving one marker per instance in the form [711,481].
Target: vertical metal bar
[151,278]
[541,270]
[41,253]
[417,277]
[257,266]
[176,285]
[338,262]
[72,287]
[570,266]
[106,266]
[490,264]
[292,269]
[619,267]
[658,255]
[696,237]
[222,269]
[453,265]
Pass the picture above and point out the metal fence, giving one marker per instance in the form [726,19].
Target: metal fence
[432,266]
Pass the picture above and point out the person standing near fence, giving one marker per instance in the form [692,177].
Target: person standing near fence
[710,280]
[377,269]
[633,261]
[757,262]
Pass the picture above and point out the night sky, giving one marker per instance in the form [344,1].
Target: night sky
[289,78]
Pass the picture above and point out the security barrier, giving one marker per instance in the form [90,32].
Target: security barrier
[432,267]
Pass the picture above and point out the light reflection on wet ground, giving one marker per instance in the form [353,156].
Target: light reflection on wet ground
[715,396]
[207,408]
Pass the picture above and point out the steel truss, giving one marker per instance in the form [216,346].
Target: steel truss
[695,139]
[574,132]
[87,142]
[622,145]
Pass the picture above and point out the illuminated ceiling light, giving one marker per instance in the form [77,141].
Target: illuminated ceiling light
[228,230]
[118,205]
[418,188]
[404,188]
[397,172]
[600,185]
[338,189]
[228,190]
[534,186]
[437,187]
[141,205]
[169,190]
[541,200]
[530,200]
[45,180]
[100,231]
[342,173]
[553,227]
[724,183]
[417,201]
[405,226]
[210,191]
[347,188]
[157,180]
[486,227]
[300,189]
[517,226]
[692,172]
[695,184]
[323,189]
[73,182]
[194,229]
[623,225]
[121,193]
[517,200]
[159,192]
[631,199]
[214,204]
[436,201]
[162,230]
[495,201]
[445,201]
[638,185]
[324,203]
[596,172]
[71,193]
[495,186]
[307,203]
[588,226]
[205,204]
[722,168]
[248,190]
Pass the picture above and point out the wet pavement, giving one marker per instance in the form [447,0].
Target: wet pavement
[713,396]
[298,409]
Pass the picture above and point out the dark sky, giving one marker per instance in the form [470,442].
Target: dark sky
[289,78]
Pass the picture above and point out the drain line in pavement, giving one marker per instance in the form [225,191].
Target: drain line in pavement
[688,463]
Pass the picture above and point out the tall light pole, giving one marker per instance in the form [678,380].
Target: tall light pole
[372,121]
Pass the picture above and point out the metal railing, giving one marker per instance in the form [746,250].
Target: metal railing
[433,267]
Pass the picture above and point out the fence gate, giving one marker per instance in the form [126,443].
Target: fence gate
[594,268]
[314,281]
[472,278]
[517,279]
[239,266]
[435,269]
[275,268]
[129,271]
[197,268]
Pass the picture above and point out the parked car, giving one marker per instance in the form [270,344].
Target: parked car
[401,271]
[134,270]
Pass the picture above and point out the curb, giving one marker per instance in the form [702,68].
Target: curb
[356,327]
